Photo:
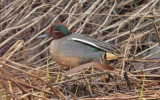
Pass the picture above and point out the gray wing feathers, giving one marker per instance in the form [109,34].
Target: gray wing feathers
[95,43]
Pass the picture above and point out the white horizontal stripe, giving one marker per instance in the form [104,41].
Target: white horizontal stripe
[84,41]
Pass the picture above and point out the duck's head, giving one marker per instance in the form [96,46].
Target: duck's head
[56,31]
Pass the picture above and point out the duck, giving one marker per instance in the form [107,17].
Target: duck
[72,50]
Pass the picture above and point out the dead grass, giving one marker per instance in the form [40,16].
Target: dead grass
[132,24]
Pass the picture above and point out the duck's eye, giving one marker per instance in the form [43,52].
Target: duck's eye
[55,28]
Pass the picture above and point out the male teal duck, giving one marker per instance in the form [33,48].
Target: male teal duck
[72,50]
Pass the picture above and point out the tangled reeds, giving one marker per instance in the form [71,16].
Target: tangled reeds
[131,24]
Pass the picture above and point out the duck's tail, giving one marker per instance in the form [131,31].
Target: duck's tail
[109,56]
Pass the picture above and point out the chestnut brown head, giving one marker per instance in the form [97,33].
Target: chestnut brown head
[58,30]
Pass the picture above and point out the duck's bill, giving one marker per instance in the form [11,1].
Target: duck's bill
[43,36]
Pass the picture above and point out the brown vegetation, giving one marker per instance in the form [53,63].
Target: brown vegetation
[131,24]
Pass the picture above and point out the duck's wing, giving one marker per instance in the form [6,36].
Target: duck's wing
[111,48]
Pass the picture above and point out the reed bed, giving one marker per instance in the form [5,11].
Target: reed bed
[28,72]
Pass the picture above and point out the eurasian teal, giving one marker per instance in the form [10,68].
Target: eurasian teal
[72,50]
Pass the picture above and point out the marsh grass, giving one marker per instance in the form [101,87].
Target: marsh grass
[133,25]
